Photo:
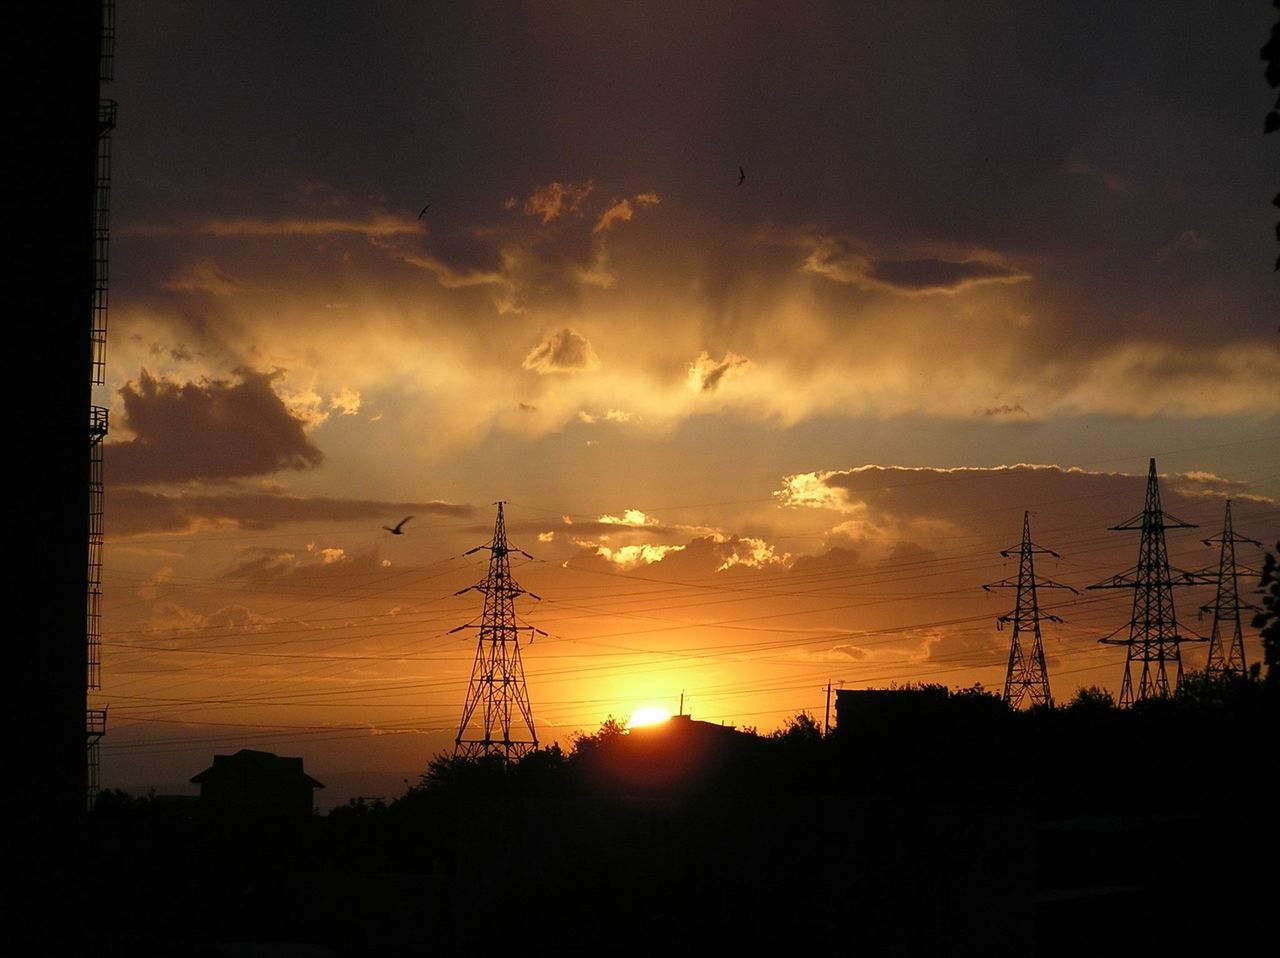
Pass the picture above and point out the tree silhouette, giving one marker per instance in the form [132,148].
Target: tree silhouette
[1092,699]
[1267,621]
[802,728]
[611,730]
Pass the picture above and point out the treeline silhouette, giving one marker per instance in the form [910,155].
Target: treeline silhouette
[958,825]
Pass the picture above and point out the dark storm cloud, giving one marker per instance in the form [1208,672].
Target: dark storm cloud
[540,255]
[888,499]
[138,511]
[969,146]
[938,275]
[850,260]
[925,493]
[213,429]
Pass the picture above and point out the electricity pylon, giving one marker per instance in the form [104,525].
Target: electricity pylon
[1028,676]
[1154,639]
[1227,657]
[497,675]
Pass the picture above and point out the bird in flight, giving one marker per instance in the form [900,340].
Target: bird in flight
[742,175]
[399,527]
[423,210]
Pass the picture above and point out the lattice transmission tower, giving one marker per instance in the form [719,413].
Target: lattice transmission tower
[1154,639]
[1028,676]
[497,690]
[1226,656]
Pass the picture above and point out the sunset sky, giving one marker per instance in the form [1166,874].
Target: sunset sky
[988,257]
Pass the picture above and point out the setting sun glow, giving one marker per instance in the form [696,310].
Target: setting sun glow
[648,715]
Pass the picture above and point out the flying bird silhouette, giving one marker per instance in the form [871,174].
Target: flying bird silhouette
[423,210]
[399,527]
[742,175]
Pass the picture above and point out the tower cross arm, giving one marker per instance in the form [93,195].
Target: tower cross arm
[1201,577]
[1230,536]
[1242,606]
[1141,522]
[1124,580]
[1040,584]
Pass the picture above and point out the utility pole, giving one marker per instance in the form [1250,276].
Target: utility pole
[497,685]
[1227,657]
[1154,639]
[1027,676]
[826,718]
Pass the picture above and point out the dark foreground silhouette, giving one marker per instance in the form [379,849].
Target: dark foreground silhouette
[938,823]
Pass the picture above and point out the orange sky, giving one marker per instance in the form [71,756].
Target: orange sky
[757,437]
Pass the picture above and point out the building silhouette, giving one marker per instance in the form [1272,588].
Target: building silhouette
[51,225]
[258,784]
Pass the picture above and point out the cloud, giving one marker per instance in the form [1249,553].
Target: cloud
[374,225]
[971,647]
[138,511]
[698,557]
[270,564]
[1200,482]
[938,275]
[562,351]
[630,517]
[609,415]
[721,552]
[632,525]
[213,429]
[149,589]
[630,557]
[895,504]
[459,258]
[622,211]
[1004,410]
[706,374]
[812,490]
[848,260]
[749,552]
[204,276]
[346,401]
[449,275]
[557,199]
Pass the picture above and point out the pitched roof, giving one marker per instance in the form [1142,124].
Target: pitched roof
[265,765]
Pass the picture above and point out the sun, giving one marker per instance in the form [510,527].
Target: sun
[648,715]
